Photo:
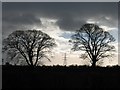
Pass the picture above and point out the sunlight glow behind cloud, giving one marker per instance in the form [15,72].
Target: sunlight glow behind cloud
[62,37]
[60,20]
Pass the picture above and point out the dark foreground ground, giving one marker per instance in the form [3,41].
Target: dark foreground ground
[60,77]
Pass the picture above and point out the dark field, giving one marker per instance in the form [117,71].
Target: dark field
[60,77]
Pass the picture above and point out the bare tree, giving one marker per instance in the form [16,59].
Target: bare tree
[32,45]
[94,41]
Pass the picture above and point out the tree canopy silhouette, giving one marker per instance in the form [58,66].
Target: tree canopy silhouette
[94,41]
[32,45]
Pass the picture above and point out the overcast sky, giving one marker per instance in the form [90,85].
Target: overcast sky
[60,20]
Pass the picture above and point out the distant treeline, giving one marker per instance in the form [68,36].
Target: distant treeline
[58,68]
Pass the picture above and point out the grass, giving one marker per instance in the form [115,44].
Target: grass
[60,77]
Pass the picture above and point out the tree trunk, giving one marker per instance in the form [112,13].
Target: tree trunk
[31,62]
[30,58]
[94,63]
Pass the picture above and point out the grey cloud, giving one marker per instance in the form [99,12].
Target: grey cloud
[15,21]
[69,23]
[22,19]
[70,16]
[111,22]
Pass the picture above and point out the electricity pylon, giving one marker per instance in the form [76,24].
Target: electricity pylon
[65,60]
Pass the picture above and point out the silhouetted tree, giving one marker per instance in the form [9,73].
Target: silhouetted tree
[32,45]
[94,41]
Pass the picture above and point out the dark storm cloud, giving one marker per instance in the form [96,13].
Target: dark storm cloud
[19,21]
[70,16]
[22,19]
[69,23]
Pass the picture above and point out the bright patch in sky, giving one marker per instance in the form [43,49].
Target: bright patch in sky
[60,20]
[63,46]
[91,21]
[106,28]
